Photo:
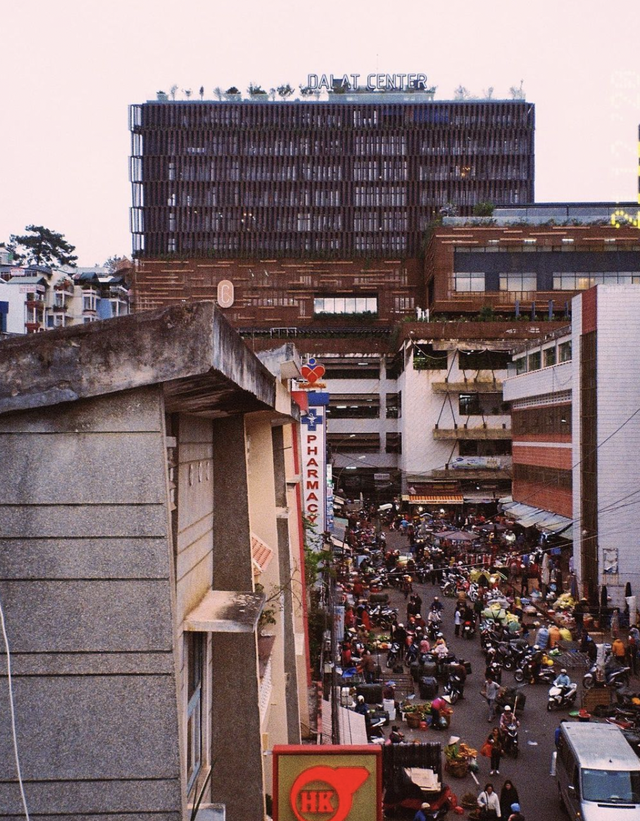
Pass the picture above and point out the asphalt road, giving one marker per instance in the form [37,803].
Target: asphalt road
[530,772]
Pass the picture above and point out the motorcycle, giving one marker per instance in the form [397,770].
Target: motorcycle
[452,688]
[411,653]
[510,744]
[382,616]
[560,697]
[615,676]
[433,630]
[393,654]
[525,671]
[468,629]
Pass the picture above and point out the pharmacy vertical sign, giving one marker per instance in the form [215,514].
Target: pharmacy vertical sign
[313,428]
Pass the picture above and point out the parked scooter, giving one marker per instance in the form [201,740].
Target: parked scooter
[525,672]
[452,688]
[615,676]
[560,697]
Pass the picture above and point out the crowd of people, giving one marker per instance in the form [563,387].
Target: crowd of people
[483,564]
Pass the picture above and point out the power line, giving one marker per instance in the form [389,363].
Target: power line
[13,713]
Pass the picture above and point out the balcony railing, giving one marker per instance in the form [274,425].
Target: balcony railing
[462,432]
[266,688]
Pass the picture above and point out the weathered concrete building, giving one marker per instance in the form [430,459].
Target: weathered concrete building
[148,485]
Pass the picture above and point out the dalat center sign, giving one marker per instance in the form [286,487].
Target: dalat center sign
[329,783]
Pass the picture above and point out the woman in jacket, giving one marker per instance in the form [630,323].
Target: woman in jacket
[489,803]
[508,796]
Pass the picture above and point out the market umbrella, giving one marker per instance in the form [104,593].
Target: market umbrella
[458,536]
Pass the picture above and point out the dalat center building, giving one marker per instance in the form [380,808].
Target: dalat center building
[308,219]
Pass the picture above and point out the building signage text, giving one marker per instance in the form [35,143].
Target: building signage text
[374,82]
[327,783]
[314,487]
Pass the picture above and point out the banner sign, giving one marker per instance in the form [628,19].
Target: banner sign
[480,462]
[314,463]
[332,783]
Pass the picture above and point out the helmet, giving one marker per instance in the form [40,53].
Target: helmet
[563,670]
[507,709]
[360,699]
[536,646]
[401,624]
[435,598]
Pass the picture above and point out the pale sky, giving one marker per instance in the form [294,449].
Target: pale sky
[71,68]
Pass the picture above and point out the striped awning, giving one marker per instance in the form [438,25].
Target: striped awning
[261,554]
[436,499]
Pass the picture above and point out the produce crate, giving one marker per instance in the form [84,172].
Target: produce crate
[595,697]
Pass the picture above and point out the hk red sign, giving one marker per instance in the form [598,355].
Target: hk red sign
[327,783]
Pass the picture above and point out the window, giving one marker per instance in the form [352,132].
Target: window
[571,282]
[564,351]
[358,443]
[393,405]
[549,357]
[469,404]
[518,282]
[469,282]
[582,281]
[550,477]
[194,650]
[553,419]
[521,364]
[362,406]
[483,360]
[425,358]
[534,361]
[393,443]
[611,786]
[345,305]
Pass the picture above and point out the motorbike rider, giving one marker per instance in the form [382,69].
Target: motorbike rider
[508,720]
[434,618]
[563,681]
[457,668]
[436,605]
[536,662]
[399,634]
[361,708]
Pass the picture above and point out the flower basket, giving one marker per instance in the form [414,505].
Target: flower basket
[457,769]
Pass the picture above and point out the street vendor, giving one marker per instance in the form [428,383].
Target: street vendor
[420,815]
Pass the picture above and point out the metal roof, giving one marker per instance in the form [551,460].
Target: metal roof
[601,746]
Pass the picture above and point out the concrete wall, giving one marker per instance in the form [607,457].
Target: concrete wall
[618,343]
[423,408]
[86,582]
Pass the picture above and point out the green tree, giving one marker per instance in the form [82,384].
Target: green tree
[41,246]
[483,209]
[116,263]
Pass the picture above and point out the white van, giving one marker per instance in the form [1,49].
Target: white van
[598,773]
